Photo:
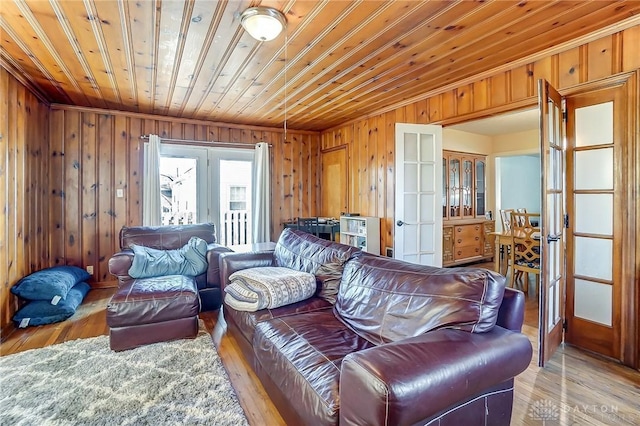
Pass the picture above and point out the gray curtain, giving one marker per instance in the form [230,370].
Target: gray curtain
[151,204]
[261,195]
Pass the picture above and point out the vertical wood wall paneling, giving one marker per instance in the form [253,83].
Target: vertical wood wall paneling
[136,158]
[381,177]
[72,195]
[56,188]
[569,68]
[120,174]
[386,234]
[592,61]
[107,214]
[600,58]
[104,152]
[24,216]
[89,183]
[372,164]
[5,312]
[20,213]
[630,54]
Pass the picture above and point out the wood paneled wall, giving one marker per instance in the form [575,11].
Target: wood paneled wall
[61,166]
[371,140]
[24,216]
[94,152]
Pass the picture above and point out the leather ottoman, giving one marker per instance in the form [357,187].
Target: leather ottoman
[150,310]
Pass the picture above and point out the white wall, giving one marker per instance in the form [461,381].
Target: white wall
[527,142]
[457,140]
[519,182]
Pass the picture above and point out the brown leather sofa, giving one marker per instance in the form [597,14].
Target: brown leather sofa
[403,344]
[169,238]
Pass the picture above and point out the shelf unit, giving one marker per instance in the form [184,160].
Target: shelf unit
[362,232]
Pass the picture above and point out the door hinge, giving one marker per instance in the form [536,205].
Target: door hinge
[566,220]
[564,115]
[564,324]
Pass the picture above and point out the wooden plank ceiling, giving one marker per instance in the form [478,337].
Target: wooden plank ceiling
[340,59]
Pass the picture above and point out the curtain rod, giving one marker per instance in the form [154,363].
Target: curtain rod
[208,143]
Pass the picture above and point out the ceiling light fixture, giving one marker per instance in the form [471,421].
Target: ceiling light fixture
[263,23]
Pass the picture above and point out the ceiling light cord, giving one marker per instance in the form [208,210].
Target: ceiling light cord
[285,86]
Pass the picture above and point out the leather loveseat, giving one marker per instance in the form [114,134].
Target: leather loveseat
[173,237]
[403,344]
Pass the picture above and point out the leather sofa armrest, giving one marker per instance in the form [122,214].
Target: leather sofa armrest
[412,380]
[232,262]
[213,259]
[120,263]
[511,312]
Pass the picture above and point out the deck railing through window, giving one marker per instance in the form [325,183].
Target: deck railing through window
[235,228]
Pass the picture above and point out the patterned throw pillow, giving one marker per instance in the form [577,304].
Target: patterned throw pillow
[268,287]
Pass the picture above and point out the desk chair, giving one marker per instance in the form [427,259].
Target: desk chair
[309,225]
[525,248]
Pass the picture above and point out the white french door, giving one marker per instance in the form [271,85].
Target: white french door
[418,192]
[581,281]
[552,238]
[200,184]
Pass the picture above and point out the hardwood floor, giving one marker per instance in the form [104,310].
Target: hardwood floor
[575,387]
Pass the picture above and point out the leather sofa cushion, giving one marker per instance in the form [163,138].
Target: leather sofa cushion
[302,354]
[386,300]
[152,300]
[246,322]
[324,259]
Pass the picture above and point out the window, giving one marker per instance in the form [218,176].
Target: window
[237,198]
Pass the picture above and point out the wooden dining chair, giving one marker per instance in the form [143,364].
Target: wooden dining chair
[505,251]
[525,248]
[505,219]
[309,225]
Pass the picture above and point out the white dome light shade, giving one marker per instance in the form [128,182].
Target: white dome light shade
[263,23]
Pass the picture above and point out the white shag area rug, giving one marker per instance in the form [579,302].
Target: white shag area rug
[83,382]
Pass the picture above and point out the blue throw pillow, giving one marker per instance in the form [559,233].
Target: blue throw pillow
[41,312]
[191,260]
[51,284]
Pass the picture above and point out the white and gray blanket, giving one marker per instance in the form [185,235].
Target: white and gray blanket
[267,288]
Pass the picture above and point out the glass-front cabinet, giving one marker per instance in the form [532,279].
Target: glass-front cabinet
[466,231]
[464,181]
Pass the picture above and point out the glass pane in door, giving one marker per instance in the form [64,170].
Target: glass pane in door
[178,189]
[235,202]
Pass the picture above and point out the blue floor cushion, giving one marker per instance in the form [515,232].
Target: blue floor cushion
[51,284]
[39,312]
